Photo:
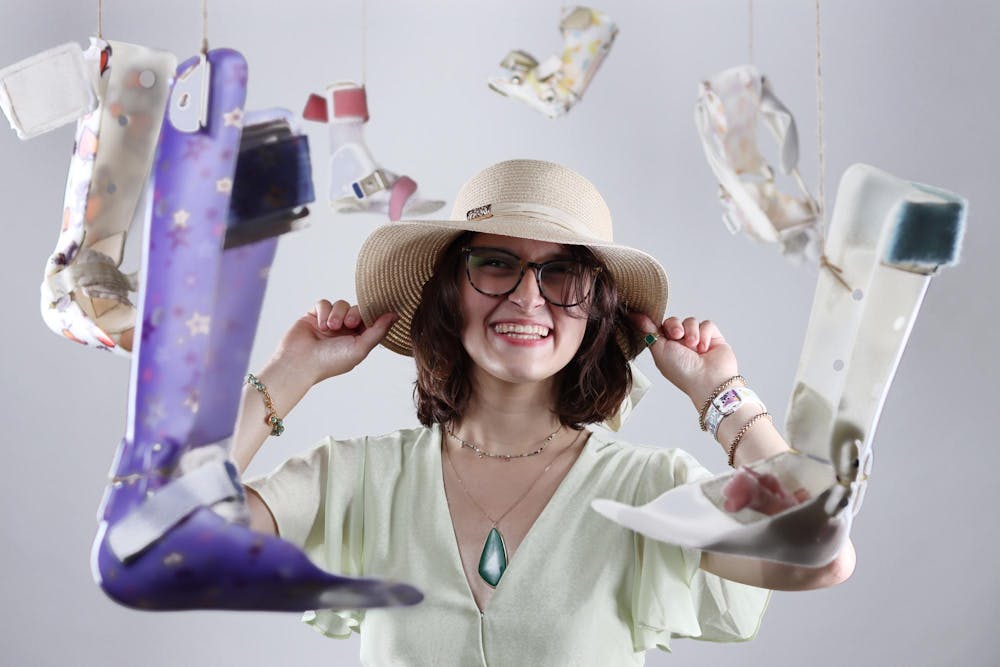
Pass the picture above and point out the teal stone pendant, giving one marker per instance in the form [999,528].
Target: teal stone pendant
[493,562]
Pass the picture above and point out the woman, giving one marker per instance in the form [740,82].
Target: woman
[521,314]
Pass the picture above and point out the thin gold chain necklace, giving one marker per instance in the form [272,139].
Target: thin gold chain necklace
[506,457]
[493,559]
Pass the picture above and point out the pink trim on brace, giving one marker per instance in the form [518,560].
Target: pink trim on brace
[351,102]
[402,190]
[316,109]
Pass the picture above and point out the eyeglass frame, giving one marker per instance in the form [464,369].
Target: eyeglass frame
[525,264]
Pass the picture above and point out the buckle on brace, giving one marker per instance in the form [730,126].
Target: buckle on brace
[370,184]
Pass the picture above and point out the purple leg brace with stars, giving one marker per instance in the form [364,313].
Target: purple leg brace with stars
[173,531]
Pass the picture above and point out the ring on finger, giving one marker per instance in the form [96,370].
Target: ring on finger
[650,338]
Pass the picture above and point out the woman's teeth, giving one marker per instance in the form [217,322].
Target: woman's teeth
[522,331]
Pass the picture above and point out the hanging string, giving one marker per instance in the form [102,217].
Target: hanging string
[100,19]
[364,42]
[204,26]
[824,261]
[750,31]
[819,122]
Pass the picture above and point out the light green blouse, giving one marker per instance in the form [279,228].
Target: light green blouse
[580,590]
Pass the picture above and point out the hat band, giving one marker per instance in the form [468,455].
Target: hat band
[539,212]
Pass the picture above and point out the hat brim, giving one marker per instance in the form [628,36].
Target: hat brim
[398,258]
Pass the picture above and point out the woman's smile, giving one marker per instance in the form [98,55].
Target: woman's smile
[522,332]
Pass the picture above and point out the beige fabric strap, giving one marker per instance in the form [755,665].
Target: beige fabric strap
[95,275]
[544,213]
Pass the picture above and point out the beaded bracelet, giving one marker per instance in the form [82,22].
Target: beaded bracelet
[742,432]
[271,418]
[711,397]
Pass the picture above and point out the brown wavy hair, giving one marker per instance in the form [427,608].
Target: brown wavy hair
[590,387]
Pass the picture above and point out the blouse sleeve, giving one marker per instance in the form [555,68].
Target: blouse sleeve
[673,597]
[317,502]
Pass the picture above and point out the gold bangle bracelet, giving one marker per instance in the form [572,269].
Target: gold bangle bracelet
[742,432]
[271,418]
[711,397]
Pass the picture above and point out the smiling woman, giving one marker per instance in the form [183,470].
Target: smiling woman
[522,315]
[462,325]
[552,335]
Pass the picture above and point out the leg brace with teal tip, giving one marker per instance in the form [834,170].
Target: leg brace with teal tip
[889,236]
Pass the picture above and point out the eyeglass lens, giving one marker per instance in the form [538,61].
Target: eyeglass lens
[563,282]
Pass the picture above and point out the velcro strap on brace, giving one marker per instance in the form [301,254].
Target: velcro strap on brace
[370,184]
[202,487]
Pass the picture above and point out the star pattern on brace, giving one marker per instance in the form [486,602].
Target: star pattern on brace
[191,402]
[173,559]
[224,185]
[163,355]
[154,413]
[151,323]
[178,237]
[194,147]
[265,272]
[181,218]
[233,118]
[198,324]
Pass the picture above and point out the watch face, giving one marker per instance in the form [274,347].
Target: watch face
[728,401]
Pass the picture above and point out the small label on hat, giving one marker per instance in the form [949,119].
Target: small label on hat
[480,213]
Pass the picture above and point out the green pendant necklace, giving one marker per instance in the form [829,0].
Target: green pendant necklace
[493,560]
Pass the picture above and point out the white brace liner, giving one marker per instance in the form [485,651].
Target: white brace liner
[731,106]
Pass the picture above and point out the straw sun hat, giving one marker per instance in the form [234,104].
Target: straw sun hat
[521,198]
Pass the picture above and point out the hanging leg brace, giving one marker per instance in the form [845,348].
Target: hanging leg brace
[173,531]
[889,236]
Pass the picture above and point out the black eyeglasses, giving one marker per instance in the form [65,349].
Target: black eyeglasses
[498,272]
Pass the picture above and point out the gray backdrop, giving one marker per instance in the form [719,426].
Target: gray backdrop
[910,87]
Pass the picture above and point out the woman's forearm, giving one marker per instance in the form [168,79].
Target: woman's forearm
[761,441]
[779,576]
[286,386]
[327,341]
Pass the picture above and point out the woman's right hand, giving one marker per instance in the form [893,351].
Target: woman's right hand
[331,339]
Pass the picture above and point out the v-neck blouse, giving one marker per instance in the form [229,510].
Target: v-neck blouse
[580,590]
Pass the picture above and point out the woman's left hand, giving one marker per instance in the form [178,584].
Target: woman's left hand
[691,353]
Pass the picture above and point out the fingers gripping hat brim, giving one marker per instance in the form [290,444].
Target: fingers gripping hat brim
[393,265]
[519,198]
